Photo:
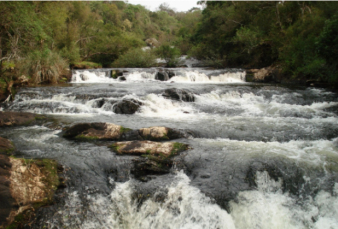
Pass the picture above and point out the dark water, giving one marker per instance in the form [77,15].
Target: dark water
[263,156]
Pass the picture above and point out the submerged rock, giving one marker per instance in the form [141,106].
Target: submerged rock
[25,185]
[179,94]
[100,131]
[127,106]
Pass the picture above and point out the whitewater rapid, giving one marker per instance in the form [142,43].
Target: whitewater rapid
[261,156]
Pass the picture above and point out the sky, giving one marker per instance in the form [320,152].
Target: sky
[178,5]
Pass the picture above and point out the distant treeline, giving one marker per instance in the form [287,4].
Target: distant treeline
[41,39]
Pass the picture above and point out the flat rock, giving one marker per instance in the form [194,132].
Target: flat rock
[165,149]
[9,118]
[100,131]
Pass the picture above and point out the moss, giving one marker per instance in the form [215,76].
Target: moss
[115,147]
[178,147]
[82,137]
[124,130]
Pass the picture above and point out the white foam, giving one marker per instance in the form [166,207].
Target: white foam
[184,207]
[268,207]
[91,77]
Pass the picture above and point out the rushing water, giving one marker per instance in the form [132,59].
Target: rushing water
[263,156]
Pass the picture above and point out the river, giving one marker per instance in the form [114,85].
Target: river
[262,155]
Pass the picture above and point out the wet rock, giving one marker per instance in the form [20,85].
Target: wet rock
[100,131]
[127,106]
[25,185]
[18,118]
[160,133]
[162,76]
[122,78]
[156,157]
[179,94]
[116,73]
[171,74]
[165,149]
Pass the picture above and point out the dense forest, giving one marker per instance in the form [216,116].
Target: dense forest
[42,39]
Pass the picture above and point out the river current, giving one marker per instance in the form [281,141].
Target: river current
[262,155]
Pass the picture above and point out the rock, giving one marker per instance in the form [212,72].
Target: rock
[116,73]
[178,94]
[171,74]
[164,149]
[9,118]
[159,133]
[127,106]
[264,75]
[152,42]
[157,157]
[25,185]
[162,76]
[100,131]
[122,78]
[21,81]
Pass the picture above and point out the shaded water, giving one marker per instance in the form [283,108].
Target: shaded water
[263,156]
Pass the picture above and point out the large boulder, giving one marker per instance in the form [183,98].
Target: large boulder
[127,106]
[25,185]
[179,94]
[100,131]
[162,76]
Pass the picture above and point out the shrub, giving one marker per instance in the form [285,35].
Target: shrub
[135,58]
[44,66]
[169,54]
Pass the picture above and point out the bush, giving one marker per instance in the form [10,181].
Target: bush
[44,66]
[135,58]
[169,54]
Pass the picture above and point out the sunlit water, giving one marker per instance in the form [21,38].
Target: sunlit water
[263,156]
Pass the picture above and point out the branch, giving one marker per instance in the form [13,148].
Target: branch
[84,38]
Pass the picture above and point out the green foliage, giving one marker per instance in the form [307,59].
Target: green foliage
[136,58]
[170,54]
[85,65]
[44,66]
